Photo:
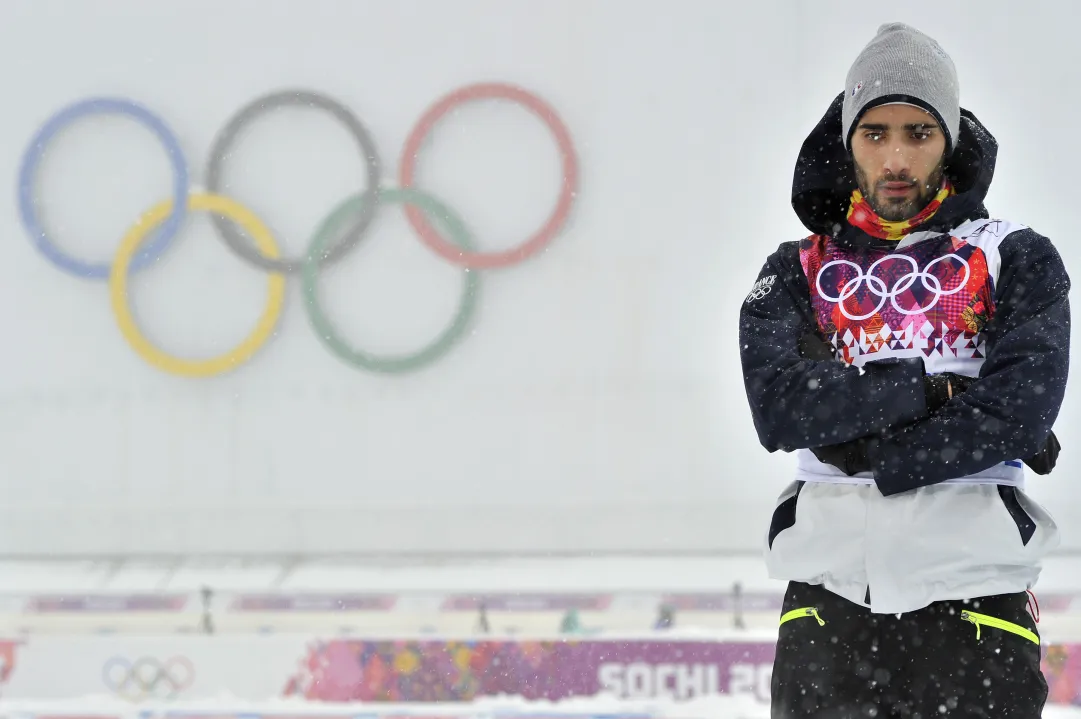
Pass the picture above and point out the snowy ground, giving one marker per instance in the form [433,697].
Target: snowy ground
[714,708]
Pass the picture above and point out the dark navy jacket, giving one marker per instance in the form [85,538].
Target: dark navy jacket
[1024,345]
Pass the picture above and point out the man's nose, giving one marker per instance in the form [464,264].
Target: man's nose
[896,160]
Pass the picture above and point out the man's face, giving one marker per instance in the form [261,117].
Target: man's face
[899,152]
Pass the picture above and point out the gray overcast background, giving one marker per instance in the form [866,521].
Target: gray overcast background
[597,402]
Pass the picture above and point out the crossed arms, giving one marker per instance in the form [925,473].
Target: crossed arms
[910,441]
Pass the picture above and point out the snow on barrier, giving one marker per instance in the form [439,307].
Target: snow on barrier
[508,708]
[598,708]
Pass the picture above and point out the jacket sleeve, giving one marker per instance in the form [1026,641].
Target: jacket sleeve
[799,403]
[1009,411]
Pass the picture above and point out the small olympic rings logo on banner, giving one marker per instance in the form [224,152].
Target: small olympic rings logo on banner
[439,228]
[148,678]
[877,286]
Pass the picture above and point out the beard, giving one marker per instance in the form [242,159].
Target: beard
[895,209]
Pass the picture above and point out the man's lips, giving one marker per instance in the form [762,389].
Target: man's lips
[897,188]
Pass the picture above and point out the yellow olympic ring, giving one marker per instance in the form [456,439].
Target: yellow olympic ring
[118,288]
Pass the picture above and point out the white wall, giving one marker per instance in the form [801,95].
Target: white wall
[597,402]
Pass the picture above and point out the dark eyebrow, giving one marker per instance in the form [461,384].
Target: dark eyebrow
[879,127]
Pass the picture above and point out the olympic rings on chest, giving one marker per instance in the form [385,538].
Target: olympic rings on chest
[875,285]
[248,237]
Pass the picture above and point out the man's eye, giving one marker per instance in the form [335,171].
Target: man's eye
[874,136]
[921,135]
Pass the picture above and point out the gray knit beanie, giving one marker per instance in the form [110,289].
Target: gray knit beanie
[901,64]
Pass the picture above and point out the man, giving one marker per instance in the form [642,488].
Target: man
[913,351]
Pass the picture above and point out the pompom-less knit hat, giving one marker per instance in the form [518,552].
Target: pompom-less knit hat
[903,65]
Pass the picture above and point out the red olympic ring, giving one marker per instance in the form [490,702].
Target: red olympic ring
[407,171]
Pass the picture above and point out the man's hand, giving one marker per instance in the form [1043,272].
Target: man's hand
[811,346]
[1044,461]
[849,457]
[942,387]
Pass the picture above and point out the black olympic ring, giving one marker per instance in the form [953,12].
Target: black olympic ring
[148,677]
[232,235]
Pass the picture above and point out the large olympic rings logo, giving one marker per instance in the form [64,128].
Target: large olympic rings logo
[877,286]
[147,677]
[342,228]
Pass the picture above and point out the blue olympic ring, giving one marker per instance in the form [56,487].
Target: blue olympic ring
[32,158]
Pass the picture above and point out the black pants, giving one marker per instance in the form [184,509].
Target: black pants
[927,664]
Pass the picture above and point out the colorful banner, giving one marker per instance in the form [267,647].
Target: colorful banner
[178,668]
[1062,668]
[427,671]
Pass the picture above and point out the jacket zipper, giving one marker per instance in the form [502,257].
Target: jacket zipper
[985,620]
[803,612]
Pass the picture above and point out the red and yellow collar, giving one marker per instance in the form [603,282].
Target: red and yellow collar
[864,217]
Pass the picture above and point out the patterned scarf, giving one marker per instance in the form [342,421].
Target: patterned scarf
[864,217]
